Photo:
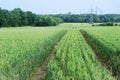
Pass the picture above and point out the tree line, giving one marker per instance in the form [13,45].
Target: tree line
[17,17]
[86,18]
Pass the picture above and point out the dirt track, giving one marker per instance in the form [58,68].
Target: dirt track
[40,73]
[104,61]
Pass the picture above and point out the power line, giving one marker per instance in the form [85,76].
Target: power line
[94,11]
[91,14]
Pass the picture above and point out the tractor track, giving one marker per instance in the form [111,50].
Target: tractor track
[41,71]
[103,61]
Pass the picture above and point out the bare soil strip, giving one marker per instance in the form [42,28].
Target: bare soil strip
[97,52]
[40,72]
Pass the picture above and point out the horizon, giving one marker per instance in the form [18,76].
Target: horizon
[63,7]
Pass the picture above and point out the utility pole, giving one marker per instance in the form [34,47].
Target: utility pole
[93,11]
[91,15]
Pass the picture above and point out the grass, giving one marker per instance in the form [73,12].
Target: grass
[107,40]
[22,49]
[74,60]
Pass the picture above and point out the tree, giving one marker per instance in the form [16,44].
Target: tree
[46,21]
[19,16]
[29,18]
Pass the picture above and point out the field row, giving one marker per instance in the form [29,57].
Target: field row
[107,41]
[22,50]
[74,60]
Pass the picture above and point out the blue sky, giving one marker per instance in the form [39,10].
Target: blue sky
[62,6]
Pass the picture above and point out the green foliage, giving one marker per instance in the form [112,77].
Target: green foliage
[27,48]
[85,18]
[106,24]
[74,60]
[107,40]
[46,21]
[17,17]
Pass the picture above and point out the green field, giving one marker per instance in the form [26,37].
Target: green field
[107,40]
[24,49]
[74,60]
